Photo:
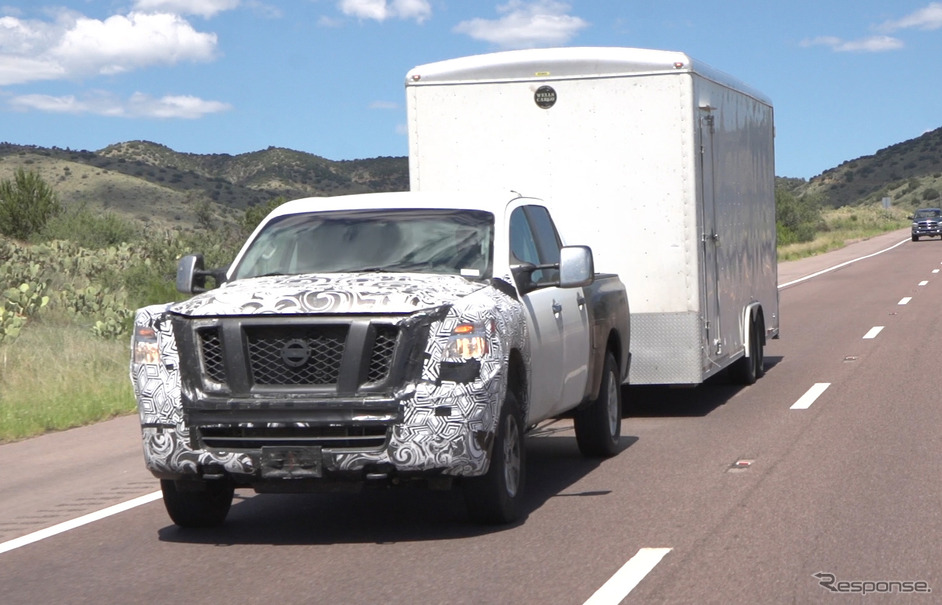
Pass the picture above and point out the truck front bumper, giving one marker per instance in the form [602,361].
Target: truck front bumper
[432,430]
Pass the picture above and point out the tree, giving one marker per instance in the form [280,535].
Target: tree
[797,218]
[26,204]
[254,214]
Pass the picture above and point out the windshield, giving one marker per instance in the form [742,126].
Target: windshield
[928,213]
[456,242]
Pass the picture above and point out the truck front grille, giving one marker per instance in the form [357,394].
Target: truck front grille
[303,356]
[383,348]
[238,354]
[360,438]
[212,355]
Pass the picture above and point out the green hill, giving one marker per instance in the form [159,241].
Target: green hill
[910,173]
[151,182]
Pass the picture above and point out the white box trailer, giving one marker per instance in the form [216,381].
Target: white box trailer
[662,164]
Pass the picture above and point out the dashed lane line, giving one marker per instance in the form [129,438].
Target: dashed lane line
[810,396]
[629,576]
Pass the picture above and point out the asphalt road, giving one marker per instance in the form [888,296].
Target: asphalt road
[722,494]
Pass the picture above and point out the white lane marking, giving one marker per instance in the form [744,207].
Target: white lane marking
[822,272]
[935,270]
[805,401]
[873,332]
[923,283]
[65,526]
[905,300]
[626,578]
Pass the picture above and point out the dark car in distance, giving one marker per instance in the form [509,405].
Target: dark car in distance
[927,222]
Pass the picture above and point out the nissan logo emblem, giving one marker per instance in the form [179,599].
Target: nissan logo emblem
[295,353]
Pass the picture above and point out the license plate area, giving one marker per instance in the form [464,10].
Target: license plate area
[286,462]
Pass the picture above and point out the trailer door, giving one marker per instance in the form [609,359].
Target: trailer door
[709,239]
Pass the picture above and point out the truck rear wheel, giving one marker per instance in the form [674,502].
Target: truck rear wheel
[197,503]
[496,496]
[598,425]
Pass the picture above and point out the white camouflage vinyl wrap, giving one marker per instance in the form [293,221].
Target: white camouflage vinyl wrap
[456,444]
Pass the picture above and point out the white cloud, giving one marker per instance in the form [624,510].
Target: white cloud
[138,106]
[76,46]
[526,25]
[380,10]
[871,44]
[928,18]
[203,8]
[121,43]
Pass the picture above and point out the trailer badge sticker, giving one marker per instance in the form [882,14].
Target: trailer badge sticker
[545,97]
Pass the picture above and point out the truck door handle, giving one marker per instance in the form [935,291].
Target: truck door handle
[580,300]
[557,308]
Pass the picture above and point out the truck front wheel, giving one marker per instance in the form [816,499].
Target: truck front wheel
[197,503]
[495,497]
[598,426]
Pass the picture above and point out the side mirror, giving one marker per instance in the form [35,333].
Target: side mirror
[576,267]
[523,276]
[191,275]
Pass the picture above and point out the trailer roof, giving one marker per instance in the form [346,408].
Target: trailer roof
[544,64]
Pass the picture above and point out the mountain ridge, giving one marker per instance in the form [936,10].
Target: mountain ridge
[153,183]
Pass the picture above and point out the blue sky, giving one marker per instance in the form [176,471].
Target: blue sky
[847,77]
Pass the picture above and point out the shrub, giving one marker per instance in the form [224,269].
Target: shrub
[797,219]
[26,204]
[90,230]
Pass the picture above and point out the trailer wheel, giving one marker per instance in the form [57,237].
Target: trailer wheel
[495,497]
[201,504]
[746,370]
[760,350]
[598,426]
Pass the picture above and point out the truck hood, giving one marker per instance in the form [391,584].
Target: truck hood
[393,293]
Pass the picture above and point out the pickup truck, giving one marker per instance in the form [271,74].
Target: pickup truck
[384,339]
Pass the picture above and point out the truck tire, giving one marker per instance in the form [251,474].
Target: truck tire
[598,425]
[495,497]
[203,504]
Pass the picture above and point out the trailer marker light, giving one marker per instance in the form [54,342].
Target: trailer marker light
[678,65]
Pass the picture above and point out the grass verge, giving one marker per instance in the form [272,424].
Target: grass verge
[847,225]
[57,376]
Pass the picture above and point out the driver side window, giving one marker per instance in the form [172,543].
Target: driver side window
[533,240]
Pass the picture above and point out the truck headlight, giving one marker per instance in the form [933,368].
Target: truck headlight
[144,348]
[468,341]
